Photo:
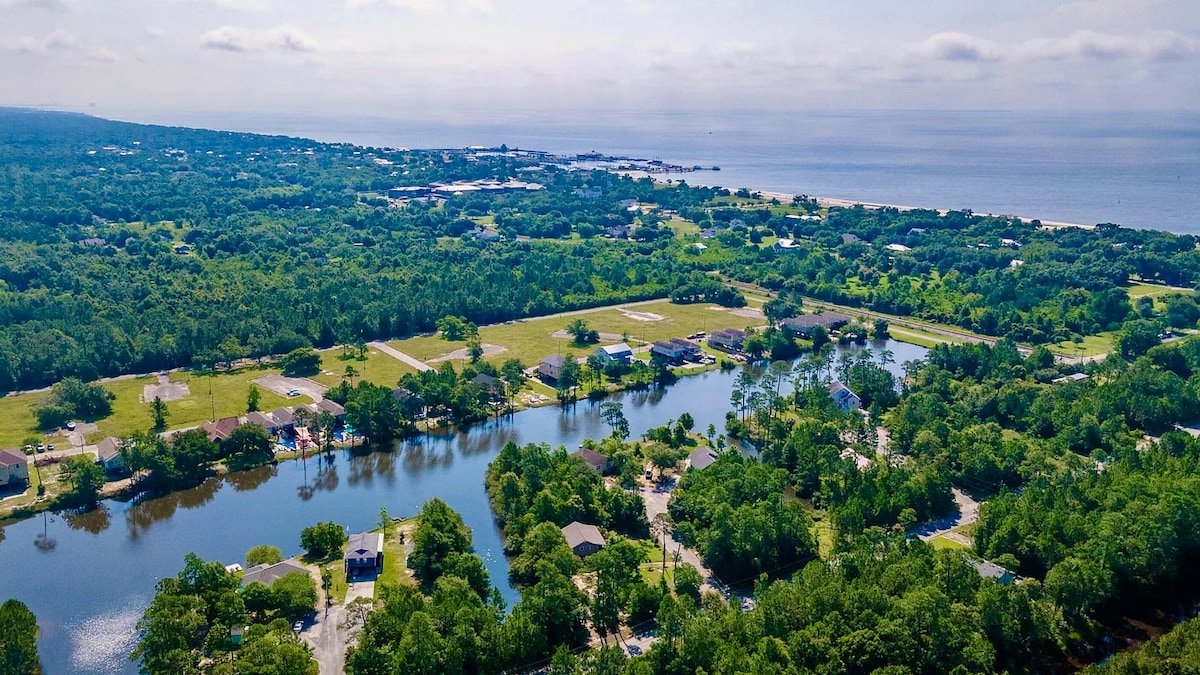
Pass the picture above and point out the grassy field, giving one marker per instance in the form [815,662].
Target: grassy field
[378,368]
[17,423]
[229,393]
[532,339]
[944,543]
[1153,290]
[1092,345]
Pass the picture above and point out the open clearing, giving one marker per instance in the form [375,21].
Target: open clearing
[165,390]
[745,312]
[531,339]
[1153,290]
[376,368]
[464,354]
[641,316]
[1092,345]
[282,385]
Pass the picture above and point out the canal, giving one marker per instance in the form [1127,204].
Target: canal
[89,578]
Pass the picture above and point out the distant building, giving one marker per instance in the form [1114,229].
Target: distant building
[617,231]
[364,553]
[269,574]
[92,241]
[595,460]
[584,540]
[802,325]
[284,418]
[618,353]
[409,192]
[1010,243]
[898,248]
[550,368]
[848,238]
[990,570]
[14,468]
[701,459]
[729,340]
[1073,377]
[786,244]
[843,397]
[108,454]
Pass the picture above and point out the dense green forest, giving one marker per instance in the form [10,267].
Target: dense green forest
[292,243]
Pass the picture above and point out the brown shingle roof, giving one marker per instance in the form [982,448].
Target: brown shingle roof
[12,458]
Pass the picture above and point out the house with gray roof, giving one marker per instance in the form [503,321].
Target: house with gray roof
[990,570]
[108,454]
[550,368]
[364,553]
[843,397]
[583,539]
[600,463]
[701,459]
[618,353]
[269,574]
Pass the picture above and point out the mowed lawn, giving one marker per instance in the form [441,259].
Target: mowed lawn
[1153,290]
[229,396]
[378,368]
[531,339]
[17,422]
[1092,345]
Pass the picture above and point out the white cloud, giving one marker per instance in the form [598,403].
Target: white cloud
[957,47]
[237,5]
[39,4]
[1154,46]
[238,39]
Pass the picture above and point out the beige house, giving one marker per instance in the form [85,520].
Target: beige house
[14,468]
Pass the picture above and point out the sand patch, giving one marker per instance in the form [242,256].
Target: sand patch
[744,312]
[165,389]
[641,316]
[463,354]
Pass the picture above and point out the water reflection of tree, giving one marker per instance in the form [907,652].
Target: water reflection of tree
[324,479]
[2,535]
[365,469]
[92,521]
[43,542]
[150,510]
[251,479]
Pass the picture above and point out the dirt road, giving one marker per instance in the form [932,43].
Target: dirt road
[400,356]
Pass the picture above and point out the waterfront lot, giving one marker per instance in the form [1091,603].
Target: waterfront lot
[531,339]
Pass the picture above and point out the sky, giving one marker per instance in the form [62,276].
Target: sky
[435,58]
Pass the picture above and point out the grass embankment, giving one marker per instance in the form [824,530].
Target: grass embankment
[1091,345]
[532,339]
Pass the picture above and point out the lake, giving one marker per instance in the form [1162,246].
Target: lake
[88,578]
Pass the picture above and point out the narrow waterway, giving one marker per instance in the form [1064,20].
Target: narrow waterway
[89,578]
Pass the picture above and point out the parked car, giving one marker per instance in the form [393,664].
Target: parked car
[292,393]
[71,425]
[50,446]
[41,447]
[298,626]
[635,650]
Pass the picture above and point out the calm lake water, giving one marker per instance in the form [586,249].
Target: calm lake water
[88,578]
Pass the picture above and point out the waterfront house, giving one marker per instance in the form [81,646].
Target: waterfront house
[673,354]
[108,454]
[269,574]
[263,420]
[729,340]
[583,539]
[413,404]
[598,462]
[802,325]
[14,468]
[550,368]
[285,419]
[332,407]
[364,553]
[691,350]
[618,353]
[843,397]
[701,459]
[220,429]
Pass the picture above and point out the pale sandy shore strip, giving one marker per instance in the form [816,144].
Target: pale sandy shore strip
[827,202]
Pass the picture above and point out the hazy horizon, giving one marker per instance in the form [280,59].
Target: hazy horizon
[428,59]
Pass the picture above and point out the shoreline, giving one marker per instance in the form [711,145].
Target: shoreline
[840,202]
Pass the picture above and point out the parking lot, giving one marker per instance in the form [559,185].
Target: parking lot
[284,385]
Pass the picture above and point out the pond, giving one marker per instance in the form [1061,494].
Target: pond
[89,578]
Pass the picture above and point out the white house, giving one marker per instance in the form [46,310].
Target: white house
[843,397]
[618,353]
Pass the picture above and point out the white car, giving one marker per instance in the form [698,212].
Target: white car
[71,425]
[293,393]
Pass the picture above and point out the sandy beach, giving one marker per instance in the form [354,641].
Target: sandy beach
[831,202]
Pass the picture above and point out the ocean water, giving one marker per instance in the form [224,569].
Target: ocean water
[1136,169]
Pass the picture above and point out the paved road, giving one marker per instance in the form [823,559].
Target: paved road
[968,512]
[656,497]
[328,633]
[400,356]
